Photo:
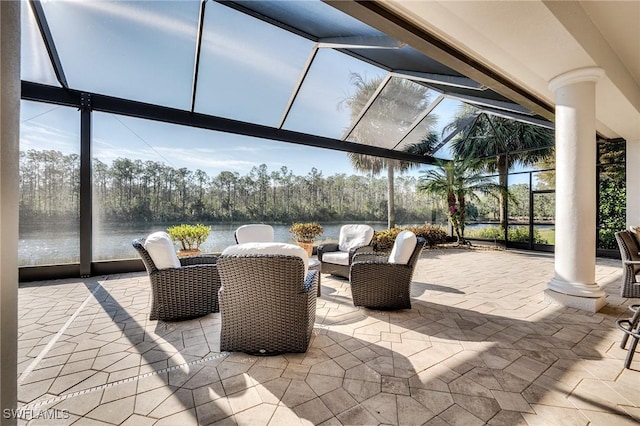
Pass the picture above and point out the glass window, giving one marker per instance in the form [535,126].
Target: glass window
[448,113]
[35,64]
[248,68]
[426,127]
[136,50]
[392,113]
[148,175]
[49,185]
[322,106]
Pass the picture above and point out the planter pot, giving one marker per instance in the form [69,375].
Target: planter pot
[308,246]
[186,253]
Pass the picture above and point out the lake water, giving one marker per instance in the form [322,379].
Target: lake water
[57,245]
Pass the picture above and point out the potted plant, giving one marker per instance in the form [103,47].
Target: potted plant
[190,237]
[305,233]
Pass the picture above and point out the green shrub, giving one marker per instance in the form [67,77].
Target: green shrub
[189,236]
[433,234]
[383,240]
[489,233]
[518,234]
[607,239]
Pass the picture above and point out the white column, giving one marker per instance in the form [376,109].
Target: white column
[633,183]
[574,282]
[9,159]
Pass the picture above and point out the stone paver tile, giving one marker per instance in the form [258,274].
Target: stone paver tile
[271,392]
[243,400]
[357,415]
[146,402]
[383,407]
[284,416]
[227,368]
[32,391]
[261,374]
[120,391]
[178,401]
[361,389]
[259,415]
[411,412]
[363,372]
[596,395]
[113,412]
[347,361]
[456,415]
[208,393]
[484,408]
[297,393]
[338,401]
[82,404]
[183,418]
[512,401]
[395,385]
[433,400]
[296,371]
[546,415]
[508,418]
[137,420]
[314,411]
[213,411]
[322,384]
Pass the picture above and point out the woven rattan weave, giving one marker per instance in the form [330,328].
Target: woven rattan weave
[182,293]
[630,263]
[267,306]
[377,284]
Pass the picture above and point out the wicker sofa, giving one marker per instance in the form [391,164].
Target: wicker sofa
[383,281]
[630,254]
[267,303]
[185,292]
[336,258]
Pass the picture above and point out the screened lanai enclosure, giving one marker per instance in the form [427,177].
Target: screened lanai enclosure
[140,114]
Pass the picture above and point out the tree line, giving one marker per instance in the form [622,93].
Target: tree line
[149,191]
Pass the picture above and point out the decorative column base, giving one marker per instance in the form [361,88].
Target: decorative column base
[586,297]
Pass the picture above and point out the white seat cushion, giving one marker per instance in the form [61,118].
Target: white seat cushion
[162,251]
[269,248]
[254,233]
[352,236]
[403,247]
[336,257]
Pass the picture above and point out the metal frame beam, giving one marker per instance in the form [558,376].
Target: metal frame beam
[196,61]
[296,88]
[445,80]
[375,14]
[421,117]
[86,186]
[50,45]
[109,104]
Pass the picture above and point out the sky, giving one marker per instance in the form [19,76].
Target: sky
[144,51]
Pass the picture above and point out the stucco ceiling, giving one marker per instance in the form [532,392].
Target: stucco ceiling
[530,42]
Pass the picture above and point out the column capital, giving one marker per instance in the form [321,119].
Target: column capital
[579,75]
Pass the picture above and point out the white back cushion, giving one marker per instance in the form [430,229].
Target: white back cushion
[353,236]
[161,249]
[403,247]
[269,248]
[254,233]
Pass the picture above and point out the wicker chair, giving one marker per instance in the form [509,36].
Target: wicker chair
[631,328]
[267,306]
[254,233]
[335,258]
[379,284]
[182,293]
[629,252]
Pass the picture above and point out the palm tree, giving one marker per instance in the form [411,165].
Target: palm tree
[499,143]
[384,124]
[457,181]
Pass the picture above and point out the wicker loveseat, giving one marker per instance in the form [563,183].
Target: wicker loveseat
[336,258]
[267,301]
[382,281]
[630,254]
[187,291]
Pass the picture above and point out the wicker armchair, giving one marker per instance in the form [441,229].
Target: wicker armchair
[255,232]
[629,252]
[267,305]
[380,284]
[182,293]
[335,258]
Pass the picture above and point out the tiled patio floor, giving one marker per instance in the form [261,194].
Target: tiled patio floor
[480,346]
